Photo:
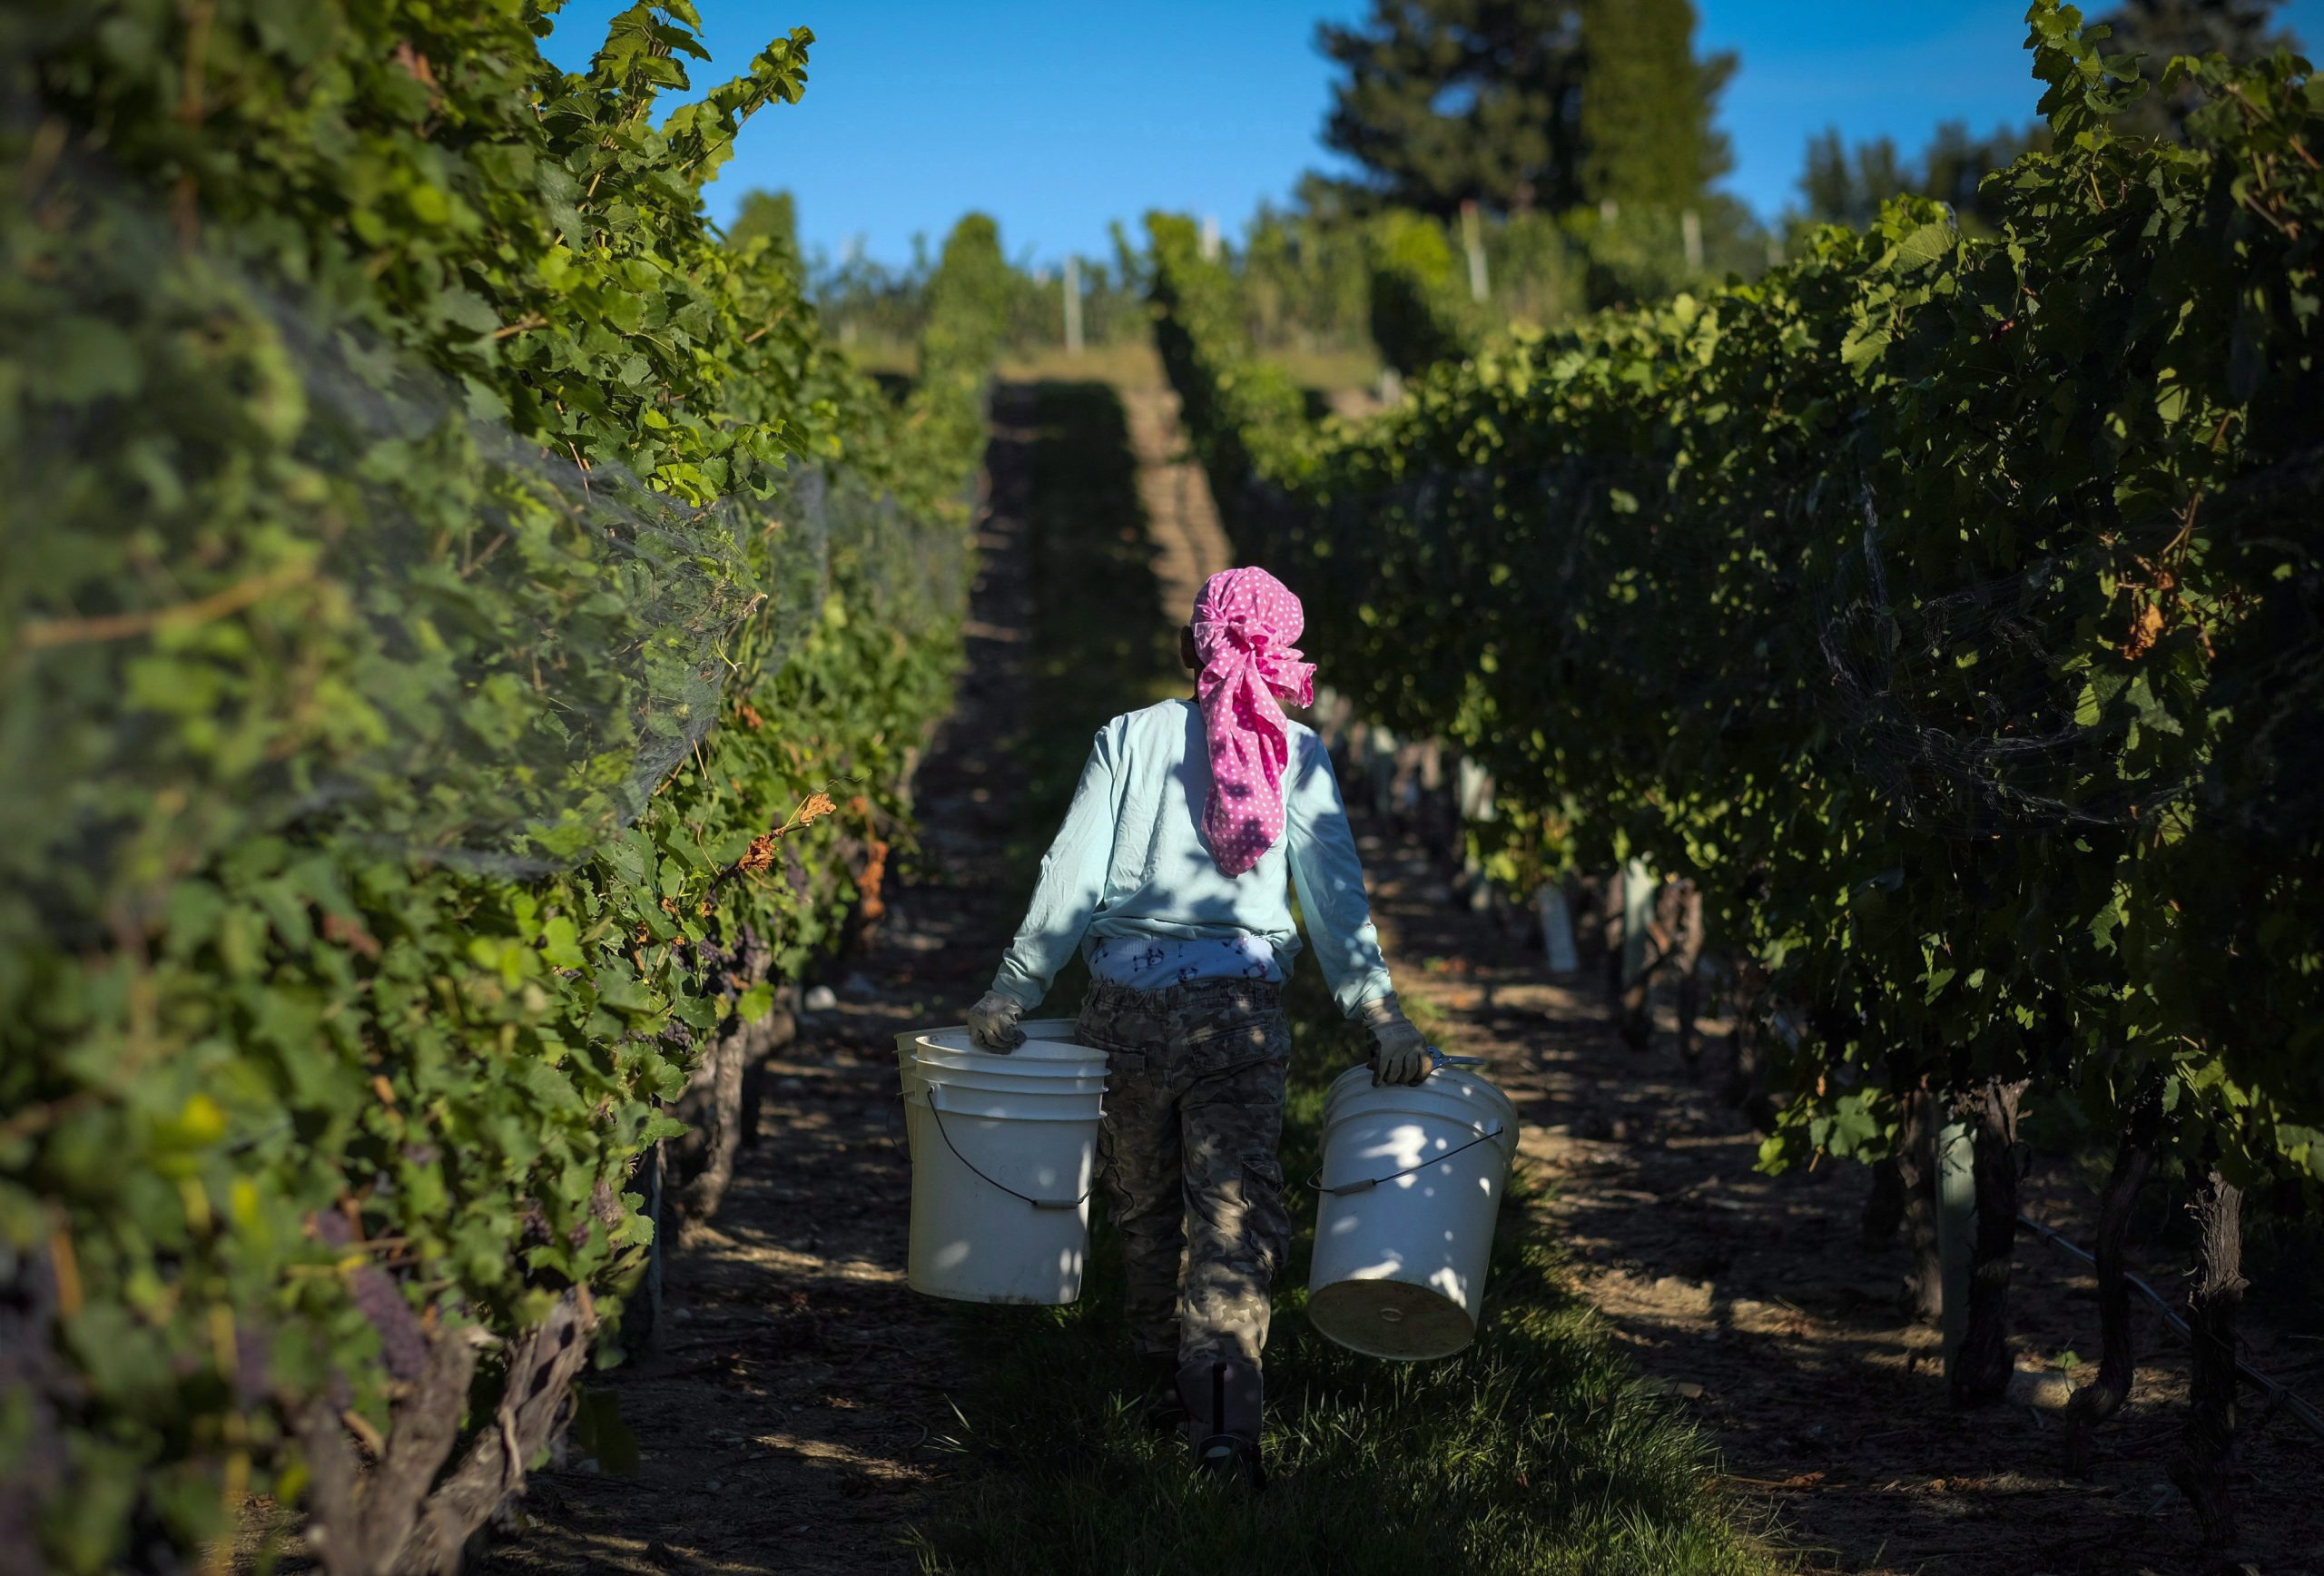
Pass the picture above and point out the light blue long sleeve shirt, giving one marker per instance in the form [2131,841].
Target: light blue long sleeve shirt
[1130,861]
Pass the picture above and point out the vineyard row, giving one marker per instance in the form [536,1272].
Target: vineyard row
[467,642]
[1946,609]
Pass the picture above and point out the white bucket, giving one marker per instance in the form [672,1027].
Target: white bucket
[1003,1151]
[1412,1181]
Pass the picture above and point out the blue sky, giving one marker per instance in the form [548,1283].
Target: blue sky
[1056,117]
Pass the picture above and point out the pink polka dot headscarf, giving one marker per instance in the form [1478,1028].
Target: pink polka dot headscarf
[1245,623]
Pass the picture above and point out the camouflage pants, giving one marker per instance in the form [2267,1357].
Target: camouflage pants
[1194,1106]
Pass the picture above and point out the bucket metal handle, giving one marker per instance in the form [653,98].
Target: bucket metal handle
[936,1112]
[1315,1183]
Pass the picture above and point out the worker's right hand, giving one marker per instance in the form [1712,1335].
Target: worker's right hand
[992,1023]
[1401,1056]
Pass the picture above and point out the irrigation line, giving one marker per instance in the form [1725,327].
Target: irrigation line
[2278,1395]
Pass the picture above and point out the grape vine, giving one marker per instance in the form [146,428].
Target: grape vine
[1947,608]
[437,562]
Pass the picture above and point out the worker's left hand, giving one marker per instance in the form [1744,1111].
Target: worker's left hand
[1401,1053]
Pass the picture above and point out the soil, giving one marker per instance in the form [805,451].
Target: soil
[1752,1302]
[1190,545]
[794,1419]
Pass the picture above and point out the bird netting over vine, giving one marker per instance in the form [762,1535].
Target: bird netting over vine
[1949,608]
[1962,703]
[303,575]
[1973,705]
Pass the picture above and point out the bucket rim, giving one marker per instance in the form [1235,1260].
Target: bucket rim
[1048,1065]
[1465,1110]
[1041,1048]
[1443,1108]
[1477,1092]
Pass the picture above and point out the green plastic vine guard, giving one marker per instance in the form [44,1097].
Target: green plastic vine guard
[1638,912]
[1957,1227]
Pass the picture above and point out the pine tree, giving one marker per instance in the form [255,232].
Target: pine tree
[1844,185]
[1646,105]
[1447,101]
[1847,186]
[2241,30]
[1953,166]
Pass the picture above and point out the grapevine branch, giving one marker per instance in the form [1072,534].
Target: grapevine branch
[2280,1398]
[760,856]
[44,633]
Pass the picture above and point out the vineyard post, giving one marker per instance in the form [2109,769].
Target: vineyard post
[1072,306]
[1982,1362]
[1472,237]
[1689,935]
[1380,747]
[1690,236]
[1638,911]
[1956,1215]
[1557,928]
[1210,238]
[1613,911]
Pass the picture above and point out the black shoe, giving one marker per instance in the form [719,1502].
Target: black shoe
[1233,1457]
[1162,1409]
[1224,1399]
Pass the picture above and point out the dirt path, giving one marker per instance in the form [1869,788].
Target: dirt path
[784,1424]
[1190,542]
[1751,1301]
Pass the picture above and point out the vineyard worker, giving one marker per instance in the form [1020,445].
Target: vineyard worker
[1170,875]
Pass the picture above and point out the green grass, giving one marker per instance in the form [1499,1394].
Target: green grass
[1533,1452]
[1126,364]
[1099,643]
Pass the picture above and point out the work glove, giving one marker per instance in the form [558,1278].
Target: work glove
[1401,1056]
[992,1023]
